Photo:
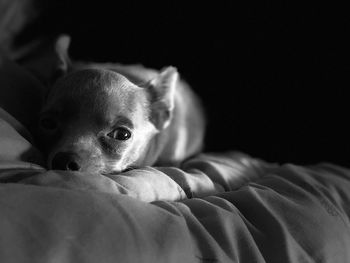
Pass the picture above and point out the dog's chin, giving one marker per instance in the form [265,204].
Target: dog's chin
[114,171]
[104,173]
[110,171]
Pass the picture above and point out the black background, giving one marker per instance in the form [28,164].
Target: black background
[273,76]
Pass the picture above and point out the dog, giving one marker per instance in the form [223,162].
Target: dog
[109,118]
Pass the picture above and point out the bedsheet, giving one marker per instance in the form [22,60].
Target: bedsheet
[277,214]
[218,207]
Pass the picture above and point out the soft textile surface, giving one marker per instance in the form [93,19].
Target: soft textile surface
[239,209]
[279,214]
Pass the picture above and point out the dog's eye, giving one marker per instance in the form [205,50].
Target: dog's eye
[48,123]
[120,134]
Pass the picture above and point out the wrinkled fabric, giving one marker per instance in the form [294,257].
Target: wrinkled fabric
[241,210]
[21,94]
[289,214]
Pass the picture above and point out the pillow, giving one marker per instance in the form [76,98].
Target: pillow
[21,94]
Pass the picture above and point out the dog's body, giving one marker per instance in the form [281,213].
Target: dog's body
[106,118]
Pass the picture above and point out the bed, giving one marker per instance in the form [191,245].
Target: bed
[217,207]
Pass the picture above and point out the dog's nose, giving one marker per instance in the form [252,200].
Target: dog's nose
[65,161]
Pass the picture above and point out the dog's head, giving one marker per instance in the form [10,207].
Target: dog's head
[96,120]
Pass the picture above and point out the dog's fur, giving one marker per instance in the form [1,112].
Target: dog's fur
[92,103]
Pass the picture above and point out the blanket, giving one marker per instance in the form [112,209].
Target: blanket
[216,207]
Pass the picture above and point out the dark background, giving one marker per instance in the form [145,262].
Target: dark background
[274,77]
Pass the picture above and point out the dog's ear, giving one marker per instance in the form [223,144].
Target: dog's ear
[48,60]
[61,49]
[162,93]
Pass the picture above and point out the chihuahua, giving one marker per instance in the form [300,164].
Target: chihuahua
[108,118]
